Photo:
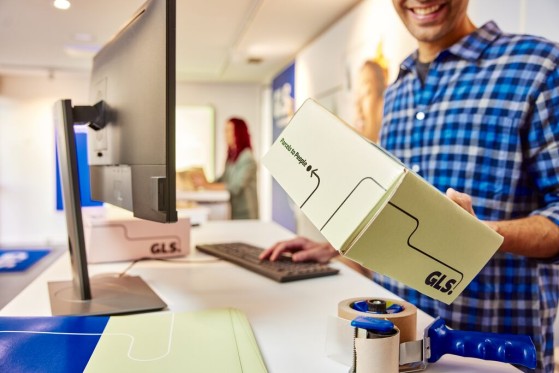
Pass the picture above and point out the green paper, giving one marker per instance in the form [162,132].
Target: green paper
[204,341]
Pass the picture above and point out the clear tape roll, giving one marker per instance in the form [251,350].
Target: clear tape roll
[405,320]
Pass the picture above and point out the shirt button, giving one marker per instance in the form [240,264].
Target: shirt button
[415,168]
[420,115]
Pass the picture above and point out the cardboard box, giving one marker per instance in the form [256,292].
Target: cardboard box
[112,235]
[376,211]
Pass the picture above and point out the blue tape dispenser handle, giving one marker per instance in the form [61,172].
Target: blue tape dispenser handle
[512,349]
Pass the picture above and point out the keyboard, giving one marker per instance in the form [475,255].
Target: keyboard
[281,270]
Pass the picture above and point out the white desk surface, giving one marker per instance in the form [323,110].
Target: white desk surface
[289,320]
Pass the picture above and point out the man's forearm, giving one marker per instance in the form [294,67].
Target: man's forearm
[534,236]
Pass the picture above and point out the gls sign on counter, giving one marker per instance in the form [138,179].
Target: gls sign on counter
[172,247]
[110,238]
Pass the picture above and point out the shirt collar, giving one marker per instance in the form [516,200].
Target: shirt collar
[469,48]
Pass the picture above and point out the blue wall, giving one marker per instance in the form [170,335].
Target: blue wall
[83,171]
[283,105]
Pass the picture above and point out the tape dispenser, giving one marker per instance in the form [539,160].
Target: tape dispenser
[377,347]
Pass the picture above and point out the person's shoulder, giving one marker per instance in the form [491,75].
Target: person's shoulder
[529,45]
[246,155]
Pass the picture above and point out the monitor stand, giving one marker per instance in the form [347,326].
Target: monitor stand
[84,296]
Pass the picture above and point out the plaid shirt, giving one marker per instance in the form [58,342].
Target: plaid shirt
[486,122]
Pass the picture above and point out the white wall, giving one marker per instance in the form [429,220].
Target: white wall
[536,17]
[228,100]
[322,67]
[266,136]
[27,160]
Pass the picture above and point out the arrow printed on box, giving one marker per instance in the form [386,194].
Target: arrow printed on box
[313,173]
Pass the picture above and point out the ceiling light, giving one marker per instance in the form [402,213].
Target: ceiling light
[61,4]
[81,50]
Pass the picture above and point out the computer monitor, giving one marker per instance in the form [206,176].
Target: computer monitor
[131,153]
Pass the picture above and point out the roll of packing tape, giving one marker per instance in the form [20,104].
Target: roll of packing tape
[377,354]
[405,320]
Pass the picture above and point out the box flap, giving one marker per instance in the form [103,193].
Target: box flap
[321,166]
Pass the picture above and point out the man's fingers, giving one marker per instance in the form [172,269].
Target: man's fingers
[462,199]
[321,253]
[279,248]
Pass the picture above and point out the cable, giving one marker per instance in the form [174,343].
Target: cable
[169,260]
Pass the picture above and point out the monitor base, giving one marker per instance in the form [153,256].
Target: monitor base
[110,296]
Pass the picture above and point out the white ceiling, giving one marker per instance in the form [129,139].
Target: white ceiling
[215,38]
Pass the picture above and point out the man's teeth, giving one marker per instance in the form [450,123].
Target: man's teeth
[426,11]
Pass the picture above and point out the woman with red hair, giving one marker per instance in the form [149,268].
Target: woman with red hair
[239,176]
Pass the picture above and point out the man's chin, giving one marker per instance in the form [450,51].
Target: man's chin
[427,34]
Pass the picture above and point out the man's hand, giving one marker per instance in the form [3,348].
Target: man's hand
[462,199]
[465,201]
[302,249]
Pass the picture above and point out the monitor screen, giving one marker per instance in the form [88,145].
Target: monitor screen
[132,159]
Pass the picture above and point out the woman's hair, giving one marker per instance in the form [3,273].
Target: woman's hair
[242,138]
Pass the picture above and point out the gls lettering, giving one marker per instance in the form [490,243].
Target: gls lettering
[161,248]
[437,281]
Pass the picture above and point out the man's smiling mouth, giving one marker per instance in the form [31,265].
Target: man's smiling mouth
[427,10]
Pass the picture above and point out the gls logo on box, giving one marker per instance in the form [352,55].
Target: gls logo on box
[436,280]
[172,247]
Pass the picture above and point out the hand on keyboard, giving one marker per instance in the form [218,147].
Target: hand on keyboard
[282,268]
[301,249]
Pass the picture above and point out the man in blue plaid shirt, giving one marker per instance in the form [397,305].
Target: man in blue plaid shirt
[477,110]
